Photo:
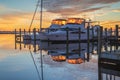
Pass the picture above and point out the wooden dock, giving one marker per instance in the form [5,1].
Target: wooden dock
[113,37]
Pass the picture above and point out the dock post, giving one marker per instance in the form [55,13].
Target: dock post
[15,40]
[92,34]
[15,35]
[20,38]
[88,43]
[110,37]
[105,35]
[88,33]
[20,34]
[99,52]
[117,35]
[34,32]
[92,39]
[97,33]
[101,32]
[67,41]
[24,32]
[79,41]
[117,32]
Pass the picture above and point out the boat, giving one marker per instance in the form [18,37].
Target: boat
[72,26]
[71,29]
[55,25]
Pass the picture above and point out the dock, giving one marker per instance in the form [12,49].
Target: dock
[114,35]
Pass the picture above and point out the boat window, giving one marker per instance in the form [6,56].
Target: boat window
[77,32]
[63,29]
[70,29]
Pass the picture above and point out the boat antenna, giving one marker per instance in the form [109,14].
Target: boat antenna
[41,12]
[34,14]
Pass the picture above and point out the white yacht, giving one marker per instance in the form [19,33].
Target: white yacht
[55,25]
[58,30]
[73,25]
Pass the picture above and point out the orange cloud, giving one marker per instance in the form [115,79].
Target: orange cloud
[22,20]
[116,10]
[110,24]
[18,19]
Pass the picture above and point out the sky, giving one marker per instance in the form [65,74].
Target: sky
[19,13]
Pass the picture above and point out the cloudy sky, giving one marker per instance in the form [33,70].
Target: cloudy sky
[18,13]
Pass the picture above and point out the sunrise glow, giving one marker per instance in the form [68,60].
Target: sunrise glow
[18,14]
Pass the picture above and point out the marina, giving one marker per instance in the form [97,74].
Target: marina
[108,58]
[60,40]
[76,36]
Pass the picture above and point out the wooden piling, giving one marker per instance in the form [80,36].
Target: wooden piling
[106,37]
[101,36]
[117,32]
[97,33]
[99,52]
[20,34]
[15,35]
[34,47]
[88,33]
[24,32]
[67,41]
[34,32]
[88,43]
[15,40]
[88,51]
[79,35]
[110,37]
[92,34]
[20,38]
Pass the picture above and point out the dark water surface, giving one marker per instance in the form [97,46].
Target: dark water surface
[44,61]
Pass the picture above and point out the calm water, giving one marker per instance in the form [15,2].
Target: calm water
[44,61]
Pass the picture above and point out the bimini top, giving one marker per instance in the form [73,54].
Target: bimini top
[75,20]
[60,22]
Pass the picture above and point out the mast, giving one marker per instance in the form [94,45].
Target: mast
[41,13]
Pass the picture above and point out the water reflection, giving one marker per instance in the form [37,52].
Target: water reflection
[74,53]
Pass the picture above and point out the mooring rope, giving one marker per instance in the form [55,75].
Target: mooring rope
[34,14]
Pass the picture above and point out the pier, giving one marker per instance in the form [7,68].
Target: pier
[113,35]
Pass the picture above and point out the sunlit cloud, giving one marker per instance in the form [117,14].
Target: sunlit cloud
[93,9]
[23,20]
[109,24]
[116,10]
[71,7]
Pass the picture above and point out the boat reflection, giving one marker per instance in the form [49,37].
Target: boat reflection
[76,53]
[73,53]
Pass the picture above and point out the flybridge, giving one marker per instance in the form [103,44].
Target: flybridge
[75,20]
[68,21]
[59,21]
